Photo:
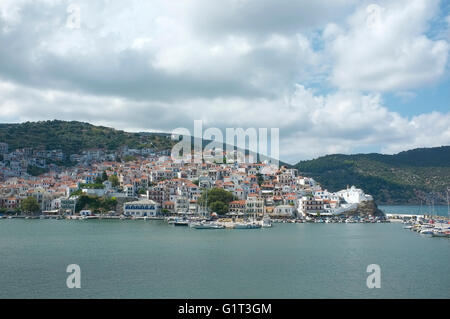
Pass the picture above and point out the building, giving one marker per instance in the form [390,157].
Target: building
[68,205]
[284,211]
[354,195]
[254,205]
[141,208]
[237,207]
[129,190]
[181,204]
[308,205]
[168,206]
[3,148]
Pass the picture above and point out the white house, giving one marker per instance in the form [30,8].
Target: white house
[354,195]
[141,208]
[284,210]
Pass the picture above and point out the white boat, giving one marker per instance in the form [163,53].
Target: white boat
[266,223]
[180,222]
[247,225]
[439,233]
[427,231]
[206,225]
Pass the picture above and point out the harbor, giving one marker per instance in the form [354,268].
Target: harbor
[429,225]
[152,259]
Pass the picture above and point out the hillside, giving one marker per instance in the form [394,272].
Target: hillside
[72,137]
[404,178]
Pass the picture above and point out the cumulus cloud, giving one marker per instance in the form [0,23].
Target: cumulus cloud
[310,124]
[158,65]
[158,56]
[384,47]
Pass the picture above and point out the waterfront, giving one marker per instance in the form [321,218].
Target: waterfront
[438,210]
[149,259]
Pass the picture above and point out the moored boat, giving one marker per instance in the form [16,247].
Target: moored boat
[439,233]
[247,225]
[206,225]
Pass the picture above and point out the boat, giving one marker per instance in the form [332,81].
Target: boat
[247,225]
[170,220]
[266,223]
[439,233]
[181,222]
[427,231]
[206,225]
[86,217]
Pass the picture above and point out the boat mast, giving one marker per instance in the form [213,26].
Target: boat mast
[206,202]
[448,205]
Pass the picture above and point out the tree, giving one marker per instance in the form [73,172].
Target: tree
[98,180]
[219,207]
[30,205]
[36,171]
[260,179]
[96,204]
[218,200]
[129,158]
[114,180]
[104,176]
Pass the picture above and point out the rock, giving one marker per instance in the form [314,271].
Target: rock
[366,208]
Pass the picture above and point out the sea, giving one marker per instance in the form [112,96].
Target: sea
[151,259]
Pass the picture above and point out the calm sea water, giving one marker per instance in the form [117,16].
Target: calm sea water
[149,259]
[416,209]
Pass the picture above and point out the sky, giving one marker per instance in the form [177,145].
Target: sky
[339,76]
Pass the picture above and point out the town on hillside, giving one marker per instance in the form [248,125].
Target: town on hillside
[150,184]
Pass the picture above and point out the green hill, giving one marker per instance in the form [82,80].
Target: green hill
[404,178]
[72,137]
